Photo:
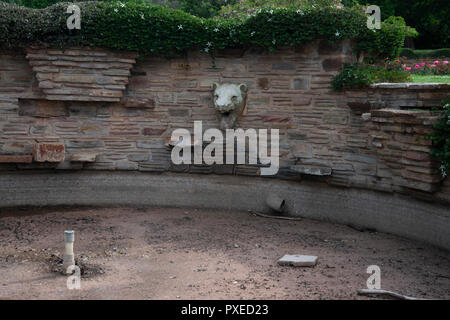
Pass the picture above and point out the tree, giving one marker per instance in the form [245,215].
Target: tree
[429,17]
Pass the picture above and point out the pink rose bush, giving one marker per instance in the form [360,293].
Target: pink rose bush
[424,68]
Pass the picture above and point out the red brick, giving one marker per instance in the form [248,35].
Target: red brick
[49,152]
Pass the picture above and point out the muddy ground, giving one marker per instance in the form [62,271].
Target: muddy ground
[164,253]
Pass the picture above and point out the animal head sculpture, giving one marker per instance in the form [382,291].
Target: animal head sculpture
[229,101]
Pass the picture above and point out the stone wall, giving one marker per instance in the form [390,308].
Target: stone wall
[400,96]
[402,152]
[324,135]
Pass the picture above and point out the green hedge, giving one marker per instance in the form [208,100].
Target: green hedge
[37,4]
[145,28]
[416,54]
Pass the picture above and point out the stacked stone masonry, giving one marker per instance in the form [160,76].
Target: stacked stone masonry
[81,75]
[402,149]
[345,139]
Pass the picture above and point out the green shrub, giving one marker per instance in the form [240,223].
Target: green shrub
[388,41]
[146,28]
[353,76]
[356,76]
[441,139]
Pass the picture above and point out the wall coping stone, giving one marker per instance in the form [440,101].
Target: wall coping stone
[412,86]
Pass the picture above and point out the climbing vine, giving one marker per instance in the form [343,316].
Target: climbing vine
[441,139]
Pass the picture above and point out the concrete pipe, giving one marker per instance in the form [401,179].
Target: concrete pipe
[274,202]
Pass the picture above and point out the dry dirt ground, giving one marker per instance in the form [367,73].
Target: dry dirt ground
[164,253]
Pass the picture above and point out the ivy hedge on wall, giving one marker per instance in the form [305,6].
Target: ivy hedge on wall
[155,29]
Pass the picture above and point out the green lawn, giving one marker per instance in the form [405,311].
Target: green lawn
[421,79]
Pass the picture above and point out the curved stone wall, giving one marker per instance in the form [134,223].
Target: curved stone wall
[383,212]
[67,115]
[91,109]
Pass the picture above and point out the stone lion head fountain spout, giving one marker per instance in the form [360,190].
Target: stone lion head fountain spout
[229,102]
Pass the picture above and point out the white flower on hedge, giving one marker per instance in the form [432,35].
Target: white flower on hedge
[300,12]
[443,171]
[274,41]
[206,49]
[142,16]
[116,10]
[253,33]
[216,29]
[209,44]
[180,27]
[271,11]
[122,4]
[337,33]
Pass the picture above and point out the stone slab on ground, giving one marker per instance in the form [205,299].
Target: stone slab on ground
[298,260]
